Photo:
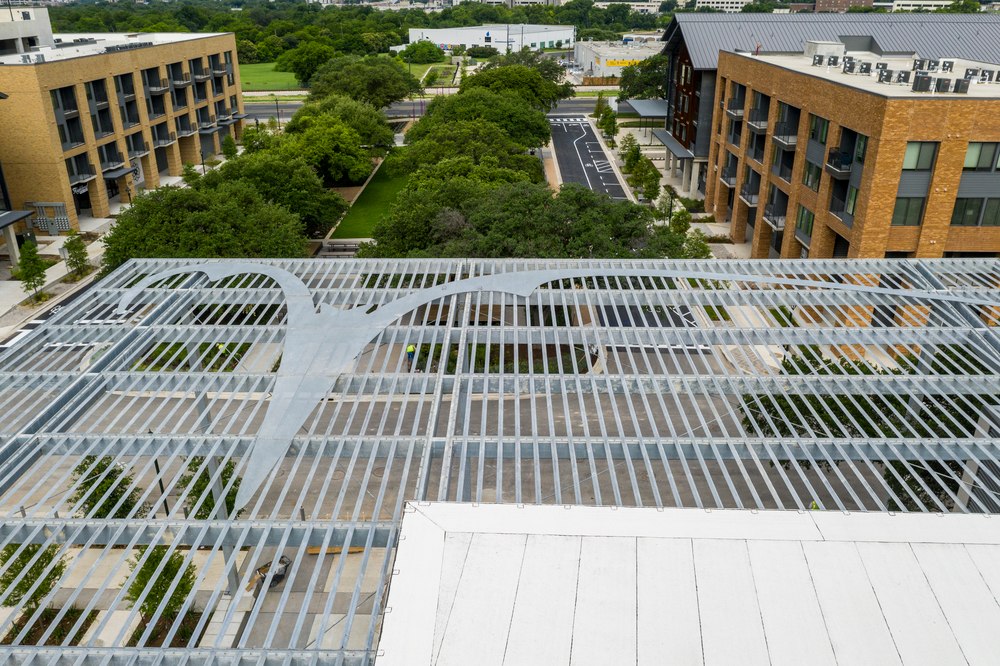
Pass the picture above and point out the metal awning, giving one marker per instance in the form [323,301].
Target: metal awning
[117,173]
[649,108]
[9,217]
[672,144]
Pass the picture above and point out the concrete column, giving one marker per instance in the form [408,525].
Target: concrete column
[175,167]
[11,239]
[189,149]
[686,177]
[149,172]
[99,206]
[695,175]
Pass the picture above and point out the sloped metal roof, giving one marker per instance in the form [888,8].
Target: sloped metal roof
[972,36]
[129,415]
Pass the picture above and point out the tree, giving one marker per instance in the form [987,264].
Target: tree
[233,220]
[680,221]
[198,478]
[422,53]
[481,52]
[599,105]
[538,91]
[645,178]
[77,260]
[375,80]
[155,589]
[305,60]
[331,148]
[522,123]
[105,490]
[962,7]
[536,60]
[645,80]
[229,147]
[368,121]
[31,269]
[475,139]
[18,563]
[630,152]
[608,123]
[284,180]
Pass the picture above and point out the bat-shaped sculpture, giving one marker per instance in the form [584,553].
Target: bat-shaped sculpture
[323,343]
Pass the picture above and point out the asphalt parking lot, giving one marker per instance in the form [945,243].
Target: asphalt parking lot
[580,156]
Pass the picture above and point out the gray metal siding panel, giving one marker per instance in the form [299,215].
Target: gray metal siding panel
[706,114]
[976,37]
[816,152]
[914,184]
[979,185]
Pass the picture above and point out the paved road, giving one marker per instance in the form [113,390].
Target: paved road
[28,326]
[575,106]
[263,111]
[580,156]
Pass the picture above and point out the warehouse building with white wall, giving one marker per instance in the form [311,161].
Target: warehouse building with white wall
[502,37]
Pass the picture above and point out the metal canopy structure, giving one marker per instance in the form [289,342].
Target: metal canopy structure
[232,413]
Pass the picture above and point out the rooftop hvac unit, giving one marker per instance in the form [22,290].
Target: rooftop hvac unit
[932,65]
[881,65]
[902,76]
[865,68]
[962,86]
[817,60]
[885,76]
[970,73]
[947,65]
[849,68]
[986,76]
[832,61]
[919,63]
[921,83]
[942,85]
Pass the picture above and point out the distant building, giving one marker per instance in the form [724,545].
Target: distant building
[849,149]
[727,6]
[502,37]
[914,5]
[88,120]
[839,5]
[638,7]
[606,59]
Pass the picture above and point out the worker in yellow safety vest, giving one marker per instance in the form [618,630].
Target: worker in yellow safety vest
[411,351]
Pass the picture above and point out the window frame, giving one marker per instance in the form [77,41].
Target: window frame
[921,160]
[907,213]
[818,125]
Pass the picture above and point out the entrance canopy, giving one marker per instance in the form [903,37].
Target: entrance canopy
[672,144]
[649,108]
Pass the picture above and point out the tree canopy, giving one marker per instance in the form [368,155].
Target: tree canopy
[16,564]
[368,121]
[522,123]
[149,588]
[521,80]
[304,60]
[331,148]
[232,220]
[549,68]
[375,80]
[645,80]
[422,53]
[105,490]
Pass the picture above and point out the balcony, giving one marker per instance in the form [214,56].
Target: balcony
[202,75]
[750,193]
[782,171]
[774,216]
[803,238]
[129,122]
[839,209]
[103,132]
[728,177]
[186,130]
[756,155]
[157,113]
[219,70]
[735,108]
[157,86]
[786,134]
[112,161]
[164,139]
[206,125]
[82,175]
[838,164]
[757,120]
[101,103]
[180,80]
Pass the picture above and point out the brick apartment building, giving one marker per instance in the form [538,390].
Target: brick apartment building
[840,152]
[694,41]
[88,120]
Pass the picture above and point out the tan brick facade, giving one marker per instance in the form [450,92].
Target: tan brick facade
[32,153]
[889,123]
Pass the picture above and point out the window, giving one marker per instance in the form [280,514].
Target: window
[919,156]
[908,211]
[804,221]
[980,157]
[861,149]
[967,213]
[818,128]
[852,199]
[811,176]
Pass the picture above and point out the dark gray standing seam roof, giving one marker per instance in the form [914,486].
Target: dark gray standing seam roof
[971,36]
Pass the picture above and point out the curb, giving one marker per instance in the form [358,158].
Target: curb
[613,159]
[52,302]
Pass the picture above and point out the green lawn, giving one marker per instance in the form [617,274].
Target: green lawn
[262,76]
[373,203]
[446,75]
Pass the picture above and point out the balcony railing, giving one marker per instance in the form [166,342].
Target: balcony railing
[186,130]
[101,132]
[735,108]
[164,139]
[157,86]
[206,122]
[202,75]
[758,119]
[838,163]
[82,174]
[774,215]
[219,70]
[180,80]
[138,151]
[750,193]
[756,155]
[839,208]
[112,162]
[157,113]
[786,133]
[728,177]
[783,171]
